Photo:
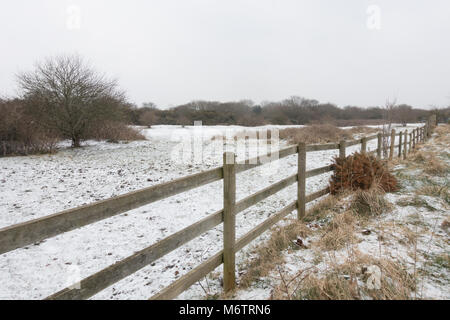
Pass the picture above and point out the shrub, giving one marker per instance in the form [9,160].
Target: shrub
[322,133]
[315,134]
[67,95]
[113,131]
[20,134]
[360,171]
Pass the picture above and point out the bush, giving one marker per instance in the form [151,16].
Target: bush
[114,131]
[322,133]
[67,95]
[20,134]
[360,171]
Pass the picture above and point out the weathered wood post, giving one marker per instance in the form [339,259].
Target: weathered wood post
[364,145]
[229,221]
[410,142]
[414,139]
[379,145]
[342,146]
[400,142]
[405,136]
[391,153]
[301,183]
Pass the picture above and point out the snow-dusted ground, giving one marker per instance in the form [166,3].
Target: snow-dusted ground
[425,260]
[36,186]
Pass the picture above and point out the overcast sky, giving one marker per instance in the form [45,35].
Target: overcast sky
[352,52]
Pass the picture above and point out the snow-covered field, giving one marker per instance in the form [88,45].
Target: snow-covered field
[36,186]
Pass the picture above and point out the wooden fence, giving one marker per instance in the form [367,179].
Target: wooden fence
[22,234]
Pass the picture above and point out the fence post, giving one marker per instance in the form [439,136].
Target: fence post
[410,143]
[364,145]
[405,145]
[414,138]
[342,146]
[400,141]
[229,221]
[301,183]
[379,147]
[391,153]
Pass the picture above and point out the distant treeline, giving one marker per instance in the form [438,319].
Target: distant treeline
[295,110]
[63,97]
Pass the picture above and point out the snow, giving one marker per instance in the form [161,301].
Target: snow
[39,185]
[425,222]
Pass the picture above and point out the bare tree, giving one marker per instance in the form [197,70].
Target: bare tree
[149,105]
[69,96]
[388,117]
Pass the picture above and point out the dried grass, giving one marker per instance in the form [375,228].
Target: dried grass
[442,192]
[431,163]
[269,254]
[370,203]
[347,281]
[321,209]
[339,232]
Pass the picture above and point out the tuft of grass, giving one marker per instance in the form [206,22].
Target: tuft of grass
[321,209]
[347,281]
[442,192]
[331,287]
[443,134]
[339,232]
[269,254]
[368,203]
[415,202]
[431,163]
[442,260]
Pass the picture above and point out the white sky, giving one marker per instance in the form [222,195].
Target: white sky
[171,52]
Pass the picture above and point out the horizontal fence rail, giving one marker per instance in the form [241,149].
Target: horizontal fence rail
[22,234]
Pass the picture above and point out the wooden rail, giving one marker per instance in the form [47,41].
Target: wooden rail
[29,232]
[22,234]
